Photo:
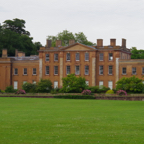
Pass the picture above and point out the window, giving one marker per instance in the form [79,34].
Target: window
[68,57]
[143,82]
[77,70]
[110,56]
[55,84]
[55,57]
[77,57]
[110,84]
[47,70]
[47,57]
[15,71]
[101,70]
[87,83]
[86,56]
[25,71]
[34,71]
[34,82]
[100,83]
[24,82]
[67,70]
[134,70]
[15,85]
[86,70]
[101,56]
[56,70]
[124,70]
[110,70]
[142,70]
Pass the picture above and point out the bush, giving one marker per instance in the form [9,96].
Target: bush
[98,89]
[75,96]
[110,92]
[121,92]
[2,91]
[44,86]
[10,89]
[55,91]
[20,91]
[114,89]
[86,92]
[29,87]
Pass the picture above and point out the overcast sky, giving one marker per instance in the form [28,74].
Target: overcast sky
[96,18]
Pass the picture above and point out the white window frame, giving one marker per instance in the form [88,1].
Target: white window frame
[47,58]
[15,71]
[101,70]
[15,84]
[24,82]
[110,56]
[55,70]
[34,71]
[68,57]
[55,83]
[87,83]
[77,57]
[86,70]
[100,83]
[110,71]
[110,84]
[68,69]
[34,82]
[134,70]
[24,71]
[47,70]
[101,57]
[77,72]
[56,57]
[86,56]
[142,70]
[124,70]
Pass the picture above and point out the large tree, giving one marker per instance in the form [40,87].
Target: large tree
[14,36]
[65,36]
[137,54]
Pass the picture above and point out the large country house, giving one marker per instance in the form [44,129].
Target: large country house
[100,65]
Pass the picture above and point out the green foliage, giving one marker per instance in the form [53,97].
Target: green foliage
[55,91]
[110,92]
[2,91]
[130,85]
[29,87]
[73,84]
[10,89]
[137,54]
[65,36]
[44,86]
[98,89]
[75,96]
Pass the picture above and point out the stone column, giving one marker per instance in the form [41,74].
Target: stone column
[40,65]
[94,69]
[117,69]
[61,68]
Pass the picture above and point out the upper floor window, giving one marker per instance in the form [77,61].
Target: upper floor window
[67,70]
[124,70]
[47,70]
[142,70]
[77,70]
[55,57]
[134,70]
[47,57]
[68,57]
[56,70]
[86,56]
[101,70]
[110,56]
[25,71]
[77,57]
[110,70]
[34,71]
[86,70]
[15,71]
[101,56]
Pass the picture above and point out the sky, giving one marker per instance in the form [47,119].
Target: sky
[97,19]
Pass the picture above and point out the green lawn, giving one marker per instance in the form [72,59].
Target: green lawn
[63,121]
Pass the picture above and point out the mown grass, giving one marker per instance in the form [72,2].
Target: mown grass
[64,121]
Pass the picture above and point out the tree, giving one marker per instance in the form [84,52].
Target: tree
[14,36]
[71,83]
[137,54]
[65,36]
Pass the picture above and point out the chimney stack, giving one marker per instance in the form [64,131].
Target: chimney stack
[124,43]
[113,42]
[58,43]
[99,42]
[21,54]
[16,52]
[71,42]
[48,43]
[4,53]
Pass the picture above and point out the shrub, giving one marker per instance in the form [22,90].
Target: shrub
[10,89]
[121,92]
[55,91]
[2,91]
[44,86]
[20,91]
[29,87]
[98,89]
[75,96]
[114,89]
[110,92]
[86,92]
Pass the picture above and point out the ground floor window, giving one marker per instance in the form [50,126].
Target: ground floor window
[55,84]
[15,85]
[87,82]
[24,82]
[110,84]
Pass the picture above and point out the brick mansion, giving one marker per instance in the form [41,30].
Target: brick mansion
[100,65]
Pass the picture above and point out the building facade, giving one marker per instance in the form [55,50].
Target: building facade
[100,65]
